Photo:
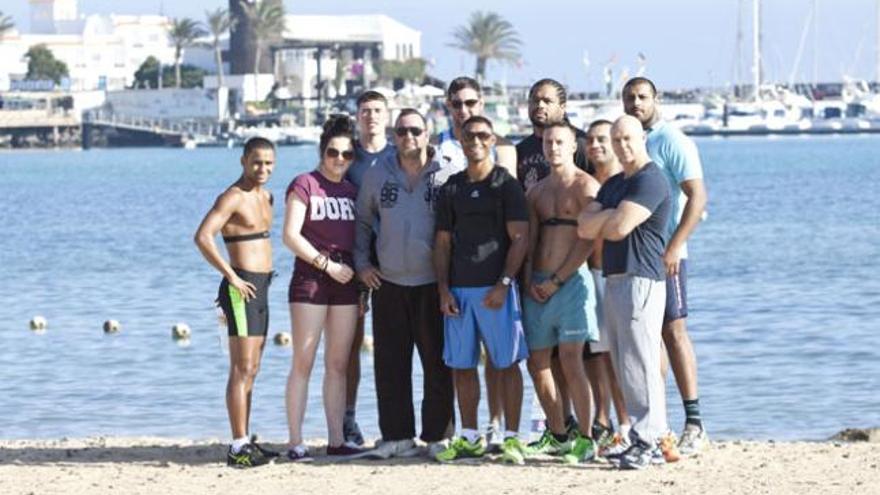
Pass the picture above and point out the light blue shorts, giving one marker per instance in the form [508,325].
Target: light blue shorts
[568,316]
[500,330]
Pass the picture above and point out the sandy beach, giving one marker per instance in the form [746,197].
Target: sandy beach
[146,465]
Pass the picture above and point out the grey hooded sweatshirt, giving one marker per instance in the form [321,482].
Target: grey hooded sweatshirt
[403,219]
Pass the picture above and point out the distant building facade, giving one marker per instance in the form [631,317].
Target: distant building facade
[350,47]
[101,51]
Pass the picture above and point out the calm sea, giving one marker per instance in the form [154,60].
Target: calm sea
[784,293]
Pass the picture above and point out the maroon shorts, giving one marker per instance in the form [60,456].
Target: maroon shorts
[320,288]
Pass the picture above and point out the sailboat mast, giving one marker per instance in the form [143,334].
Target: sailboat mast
[815,42]
[756,48]
[877,48]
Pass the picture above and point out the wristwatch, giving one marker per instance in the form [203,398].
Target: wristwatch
[556,280]
[506,281]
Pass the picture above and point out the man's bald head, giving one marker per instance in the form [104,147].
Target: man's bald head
[628,141]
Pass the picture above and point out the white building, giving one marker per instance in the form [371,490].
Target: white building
[296,63]
[101,51]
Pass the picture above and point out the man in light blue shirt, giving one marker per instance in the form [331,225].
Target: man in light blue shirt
[677,157]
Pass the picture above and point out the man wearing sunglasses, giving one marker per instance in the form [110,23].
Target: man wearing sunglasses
[396,200]
[464,99]
[481,240]
[371,147]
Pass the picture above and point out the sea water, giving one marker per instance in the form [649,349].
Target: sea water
[784,294]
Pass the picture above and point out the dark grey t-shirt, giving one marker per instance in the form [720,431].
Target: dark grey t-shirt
[640,253]
[476,214]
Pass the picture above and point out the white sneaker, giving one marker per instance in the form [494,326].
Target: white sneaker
[693,440]
[393,448]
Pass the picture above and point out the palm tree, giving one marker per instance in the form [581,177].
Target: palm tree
[183,33]
[219,22]
[6,24]
[266,18]
[488,36]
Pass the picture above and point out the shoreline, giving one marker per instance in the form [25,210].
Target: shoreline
[152,465]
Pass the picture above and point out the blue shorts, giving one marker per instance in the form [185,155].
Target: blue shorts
[568,316]
[676,295]
[500,330]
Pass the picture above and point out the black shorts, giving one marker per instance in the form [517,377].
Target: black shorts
[246,318]
[676,295]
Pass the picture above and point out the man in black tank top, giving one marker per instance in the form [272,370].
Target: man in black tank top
[243,215]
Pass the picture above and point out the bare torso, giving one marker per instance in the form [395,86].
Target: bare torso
[560,200]
[253,215]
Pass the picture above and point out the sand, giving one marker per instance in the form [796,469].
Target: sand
[153,466]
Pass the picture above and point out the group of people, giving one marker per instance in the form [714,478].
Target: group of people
[566,251]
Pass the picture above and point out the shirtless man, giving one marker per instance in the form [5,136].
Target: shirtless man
[560,306]
[596,355]
[243,215]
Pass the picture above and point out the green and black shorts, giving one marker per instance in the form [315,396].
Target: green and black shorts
[246,318]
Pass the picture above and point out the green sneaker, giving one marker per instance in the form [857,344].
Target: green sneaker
[548,445]
[583,450]
[513,451]
[460,448]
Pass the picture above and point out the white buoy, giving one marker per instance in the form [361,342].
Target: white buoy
[38,324]
[112,326]
[180,331]
[282,339]
[367,344]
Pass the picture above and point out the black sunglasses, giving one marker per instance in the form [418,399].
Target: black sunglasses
[457,104]
[471,136]
[334,153]
[403,131]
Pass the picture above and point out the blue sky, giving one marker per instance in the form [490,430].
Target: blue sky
[686,42]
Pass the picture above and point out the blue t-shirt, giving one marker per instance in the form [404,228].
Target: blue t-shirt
[678,158]
[363,160]
[639,254]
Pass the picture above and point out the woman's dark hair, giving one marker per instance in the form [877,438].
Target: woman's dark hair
[338,125]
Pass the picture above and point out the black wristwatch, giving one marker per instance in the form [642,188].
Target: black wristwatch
[556,280]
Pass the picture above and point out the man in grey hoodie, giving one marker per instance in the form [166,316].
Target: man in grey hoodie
[397,195]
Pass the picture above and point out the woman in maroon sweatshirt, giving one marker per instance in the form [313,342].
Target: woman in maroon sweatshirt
[319,228]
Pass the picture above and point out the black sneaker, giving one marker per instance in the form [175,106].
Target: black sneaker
[299,454]
[351,432]
[247,457]
[344,450]
[638,456]
[602,435]
[269,454]
[572,428]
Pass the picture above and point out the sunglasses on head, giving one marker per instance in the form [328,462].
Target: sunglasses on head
[482,136]
[334,153]
[457,104]
[403,131]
